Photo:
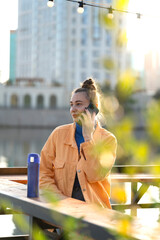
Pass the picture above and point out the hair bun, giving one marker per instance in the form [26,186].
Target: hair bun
[89,84]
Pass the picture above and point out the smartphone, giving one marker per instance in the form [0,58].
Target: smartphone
[92,108]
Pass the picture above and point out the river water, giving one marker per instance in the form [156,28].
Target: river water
[17,143]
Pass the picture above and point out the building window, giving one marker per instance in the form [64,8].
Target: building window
[95,64]
[96,53]
[108,39]
[84,36]
[73,42]
[14,101]
[53,101]
[95,24]
[74,9]
[72,64]
[73,20]
[83,59]
[96,42]
[27,101]
[40,101]
[73,31]
[85,16]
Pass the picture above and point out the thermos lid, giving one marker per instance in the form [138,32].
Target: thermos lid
[33,158]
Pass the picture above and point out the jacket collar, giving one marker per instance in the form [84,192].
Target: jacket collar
[70,137]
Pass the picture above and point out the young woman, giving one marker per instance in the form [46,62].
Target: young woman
[69,165]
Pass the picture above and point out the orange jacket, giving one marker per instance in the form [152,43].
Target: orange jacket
[60,160]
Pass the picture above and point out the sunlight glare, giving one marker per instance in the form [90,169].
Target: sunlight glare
[143,34]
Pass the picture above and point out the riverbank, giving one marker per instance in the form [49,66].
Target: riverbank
[34,118]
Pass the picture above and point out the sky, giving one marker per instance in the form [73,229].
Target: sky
[143,34]
[8,21]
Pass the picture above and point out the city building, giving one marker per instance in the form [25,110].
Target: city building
[63,47]
[12,67]
[57,48]
[31,97]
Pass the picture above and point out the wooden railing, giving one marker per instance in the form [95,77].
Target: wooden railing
[93,222]
[120,173]
[129,169]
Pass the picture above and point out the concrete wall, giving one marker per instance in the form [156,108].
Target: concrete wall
[34,117]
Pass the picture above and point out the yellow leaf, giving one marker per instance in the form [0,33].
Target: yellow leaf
[124,129]
[125,85]
[106,21]
[108,63]
[141,152]
[122,38]
[124,226]
[121,4]
[118,193]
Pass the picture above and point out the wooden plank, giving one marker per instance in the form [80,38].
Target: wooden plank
[16,178]
[116,169]
[13,171]
[146,178]
[115,177]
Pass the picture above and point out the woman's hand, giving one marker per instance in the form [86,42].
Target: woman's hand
[88,124]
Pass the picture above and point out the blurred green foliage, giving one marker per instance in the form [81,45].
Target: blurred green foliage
[118,111]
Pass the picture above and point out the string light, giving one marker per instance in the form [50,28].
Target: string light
[80,9]
[110,9]
[50,3]
[110,13]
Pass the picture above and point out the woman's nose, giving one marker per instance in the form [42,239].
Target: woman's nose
[73,109]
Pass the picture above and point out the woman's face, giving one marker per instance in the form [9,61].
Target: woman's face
[78,104]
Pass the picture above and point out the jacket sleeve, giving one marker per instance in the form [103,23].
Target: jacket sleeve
[48,154]
[98,158]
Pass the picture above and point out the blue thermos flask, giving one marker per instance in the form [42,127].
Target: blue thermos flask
[33,175]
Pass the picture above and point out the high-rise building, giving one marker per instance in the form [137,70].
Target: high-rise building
[12,66]
[152,71]
[61,46]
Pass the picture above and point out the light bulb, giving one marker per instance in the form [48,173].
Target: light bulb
[139,15]
[50,3]
[110,13]
[80,9]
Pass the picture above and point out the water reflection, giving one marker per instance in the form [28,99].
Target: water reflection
[15,144]
[9,228]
